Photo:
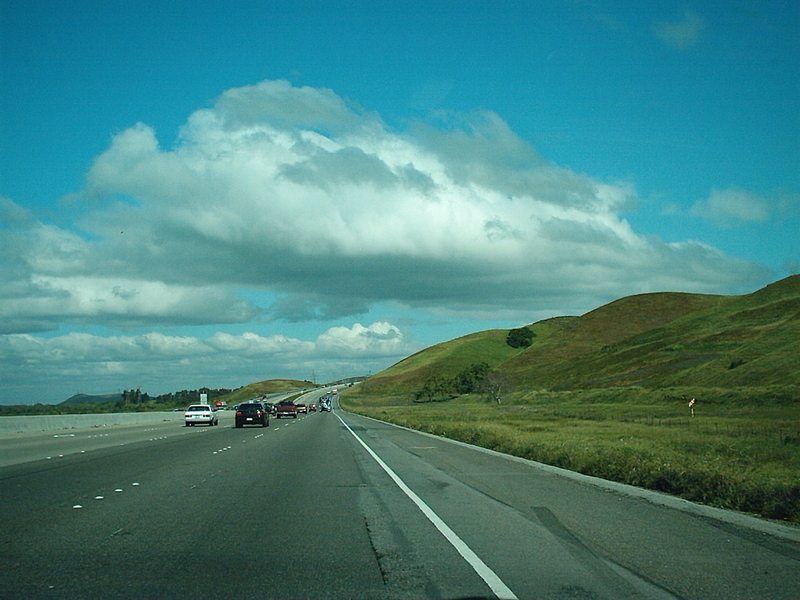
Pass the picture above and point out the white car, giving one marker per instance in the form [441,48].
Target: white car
[201,413]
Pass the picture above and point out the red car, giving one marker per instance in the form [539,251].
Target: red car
[286,408]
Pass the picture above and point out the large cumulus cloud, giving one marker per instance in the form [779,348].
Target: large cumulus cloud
[279,204]
[301,193]
[45,368]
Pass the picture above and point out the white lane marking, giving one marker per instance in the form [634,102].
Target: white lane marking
[481,568]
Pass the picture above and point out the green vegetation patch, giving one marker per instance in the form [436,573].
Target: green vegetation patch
[607,394]
[739,451]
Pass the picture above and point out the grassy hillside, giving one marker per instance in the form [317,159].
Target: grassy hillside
[674,339]
[447,359]
[650,340]
[444,359]
[607,394]
[92,398]
[270,386]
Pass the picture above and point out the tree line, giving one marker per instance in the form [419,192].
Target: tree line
[137,397]
[129,401]
[476,379]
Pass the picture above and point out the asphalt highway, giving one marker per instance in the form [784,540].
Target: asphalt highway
[331,505]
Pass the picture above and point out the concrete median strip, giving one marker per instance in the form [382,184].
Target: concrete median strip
[33,423]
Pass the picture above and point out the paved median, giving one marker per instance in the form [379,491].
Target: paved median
[62,422]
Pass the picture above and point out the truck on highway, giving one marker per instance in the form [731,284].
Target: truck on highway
[286,408]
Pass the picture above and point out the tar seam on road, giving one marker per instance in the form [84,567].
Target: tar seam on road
[481,568]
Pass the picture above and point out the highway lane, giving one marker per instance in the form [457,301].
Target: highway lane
[303,510]
[53,445]
[569,536]
[211,513]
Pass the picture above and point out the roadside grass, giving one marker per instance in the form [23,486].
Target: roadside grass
[740,450]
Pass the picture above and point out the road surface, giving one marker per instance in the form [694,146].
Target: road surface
[332,505]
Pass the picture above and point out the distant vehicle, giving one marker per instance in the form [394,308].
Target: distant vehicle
[324,405]
[201,414]
[271,408]
[286,408]
[312,408]
[302,409]
[252,413]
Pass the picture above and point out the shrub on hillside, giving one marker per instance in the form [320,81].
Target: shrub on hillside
[520,338]
[468,381]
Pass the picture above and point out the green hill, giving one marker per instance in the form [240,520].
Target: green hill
[443,360]
[664,340]
[270,386]
[92,399]
[607,394]
[650,340]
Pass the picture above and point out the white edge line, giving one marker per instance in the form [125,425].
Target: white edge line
[481,568]
[774,528]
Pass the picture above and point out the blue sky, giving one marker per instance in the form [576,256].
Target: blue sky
[210,194]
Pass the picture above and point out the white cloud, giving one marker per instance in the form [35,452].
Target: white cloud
[259,193]
[379,339]
[117,301]
[731,207]
[81,348]
[12,214]
[155,346]
[42,365]
[295,192]
[251,344]
[290,204]
[684,33]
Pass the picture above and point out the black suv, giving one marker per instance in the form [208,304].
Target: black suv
[252,413]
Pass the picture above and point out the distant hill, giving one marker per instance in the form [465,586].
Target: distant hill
[92,398]
[443,360]
[648,340]
[270,386]
[246,392]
